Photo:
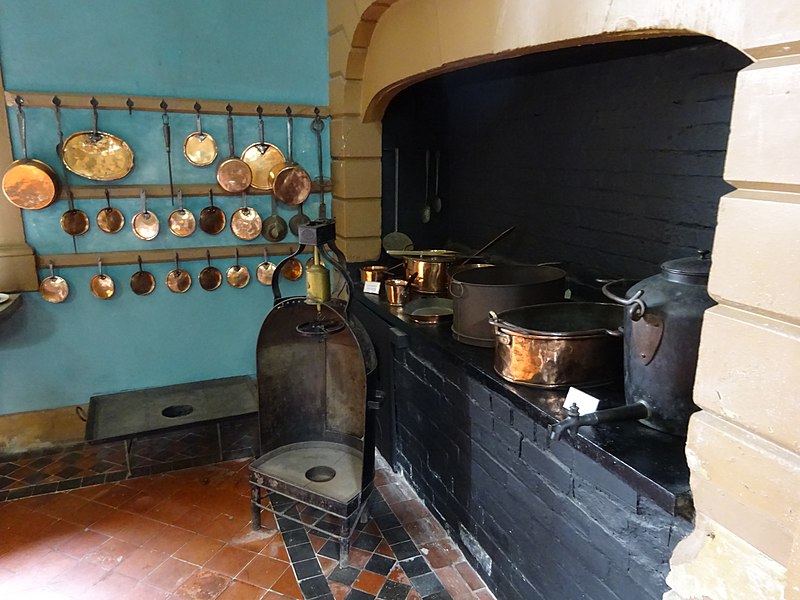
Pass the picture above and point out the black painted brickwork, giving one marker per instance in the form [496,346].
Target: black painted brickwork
[555,523]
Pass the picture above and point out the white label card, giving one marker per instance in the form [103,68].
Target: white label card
[372,287]
[586,403]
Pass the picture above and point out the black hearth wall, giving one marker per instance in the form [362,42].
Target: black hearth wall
[608,157]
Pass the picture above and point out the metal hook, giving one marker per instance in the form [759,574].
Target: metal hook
[180,201]
[139,260]
[211,196]
[236,254]
[198,124]
[129,103]
[143,198]
[70,200]
[229,108]
[52,274]
[94,104]
[177,263]
[208,256]
[100,266]
[266,254]
[164,115]
[245,209]
[108,199]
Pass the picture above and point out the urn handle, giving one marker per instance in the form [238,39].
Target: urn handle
[635,304]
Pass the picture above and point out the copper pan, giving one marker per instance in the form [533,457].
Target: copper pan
[292,270]
[245,221]
[265,270]
[54,288]
[233,174]
[178,280]
[261,157]
[210,277]
[145,223]
[29,183]
[97,155]
[238,275]
[101,285]
[110,219]
[290,182]
[212,218]
[181,221]
[142,282]
[199,148]
[74,221]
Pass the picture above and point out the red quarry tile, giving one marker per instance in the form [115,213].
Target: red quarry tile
[195,520]
[144,591]
[141,503]
[369,582]
[254,540]
[230,560]
[76,580]
[113,585]
[270,595]
[59,505]
[469,575]
[327,564]
[442,553]
[288,586]
[410,510]
[116,496]
[141,563]
[384,549]
[394,494]
[89,514]
[317,542]
[397,574]
[89,492]
[169,511]
[169,539]
[484,595]
[223,526]
[425,530]
[414,595]
[203,585]
[110,554]
[239,590]
[382,478]
[199,549]
[453,582]
[50,567]
[339,590]
[263,571]
[359,558]
[128,527]
[170,574]
[276,549]
[82,543]
[372,528]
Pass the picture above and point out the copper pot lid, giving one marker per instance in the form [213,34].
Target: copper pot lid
[210,277]
[101,285]
[212,218]
[262,157]
[199,147]
[97,155]
[110,219]
[181,221]
[238,276]
[53,288]
[178,280]
[75,222]
[246,222]
[142,282]
[145,223]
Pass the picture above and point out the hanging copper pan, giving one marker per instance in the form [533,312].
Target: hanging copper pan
[53,288]
[233,174]
[178,280]
[101,285]
[262,157]
[245,221]
[212,218]
[142,282]
[293,269]
[29,183]
[109,219]
[181,221]
[97,155]
[74,221]
[210,277]
[290,182]
[145,223]
[238,276]
[199,148]
[265,270]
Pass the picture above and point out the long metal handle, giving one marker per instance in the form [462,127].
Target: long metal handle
[229,108]
[289,132]
[317,125]
[21,125]
[489,245]
[396,189]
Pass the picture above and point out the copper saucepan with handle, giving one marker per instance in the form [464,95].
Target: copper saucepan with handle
[233,174]
[212,218]
[101,285]
[110,219]
[145,223]
[265,270]
[210,277]
[54,288]
[29,183]
[261,157]
[238,276]
[246,222]
[74,221]
[142,282]
[178,280]
[199,148]
[290,182]
[181,221]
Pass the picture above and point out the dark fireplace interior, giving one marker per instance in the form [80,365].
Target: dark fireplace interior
[609,159]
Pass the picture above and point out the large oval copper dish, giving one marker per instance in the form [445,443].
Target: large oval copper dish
[54,289]
[262,158]
[30,184]
[246,223]
[100,157]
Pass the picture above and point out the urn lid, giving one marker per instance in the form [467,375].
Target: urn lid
[692,269]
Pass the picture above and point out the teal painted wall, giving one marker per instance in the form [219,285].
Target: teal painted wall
[248,50]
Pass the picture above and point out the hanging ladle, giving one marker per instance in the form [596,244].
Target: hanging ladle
[275,227]
[101,285]
[142,282]
[110,219]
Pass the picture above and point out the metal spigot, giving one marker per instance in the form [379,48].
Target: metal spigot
[571,424]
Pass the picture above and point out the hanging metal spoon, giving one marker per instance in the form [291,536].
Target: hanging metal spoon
[275,227]
[181,221]
[102,285]
[142,282]
[109,219]
[145,223]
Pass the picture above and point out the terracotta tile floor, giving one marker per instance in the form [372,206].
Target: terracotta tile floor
[186,535]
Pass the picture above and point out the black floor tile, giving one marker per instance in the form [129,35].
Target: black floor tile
[414,567]
[404,550]
[380,564]
[394,590]
[427,584]
[305,569]
[345,575]
[315,587]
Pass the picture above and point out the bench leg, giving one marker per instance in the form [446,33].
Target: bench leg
[255,498]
